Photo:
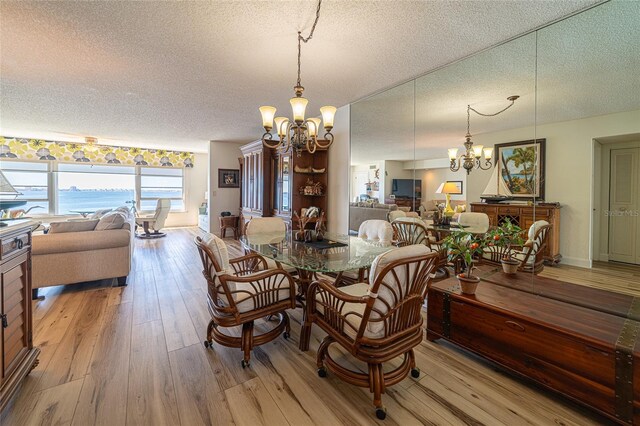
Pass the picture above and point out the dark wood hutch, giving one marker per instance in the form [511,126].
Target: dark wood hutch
[272,181]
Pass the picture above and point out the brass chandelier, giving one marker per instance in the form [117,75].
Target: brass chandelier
[472,157]
[299,134]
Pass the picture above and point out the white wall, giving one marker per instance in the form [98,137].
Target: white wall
[195,183]
[431,180]
[569,173]
[339,165]
[222,155]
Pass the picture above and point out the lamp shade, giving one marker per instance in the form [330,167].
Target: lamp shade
[298,106]
[477,150]
[448,188]
[281,125]
[313,125]
[267,116]
[488,153]
[453,153]
[328,115]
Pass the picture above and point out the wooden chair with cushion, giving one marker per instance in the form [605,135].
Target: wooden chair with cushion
[268,226]
[530,255]
[374,231]
[375,323]
[476,223]
[408,230]
[239,292]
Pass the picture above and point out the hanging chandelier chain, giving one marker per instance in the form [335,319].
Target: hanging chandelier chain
[303,39]
[469,109]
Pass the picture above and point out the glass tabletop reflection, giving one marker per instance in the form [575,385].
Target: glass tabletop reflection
[336,253]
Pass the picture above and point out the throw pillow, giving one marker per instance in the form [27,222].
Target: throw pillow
[73,226]
[111,220]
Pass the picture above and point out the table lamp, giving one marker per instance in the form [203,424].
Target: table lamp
[448,188]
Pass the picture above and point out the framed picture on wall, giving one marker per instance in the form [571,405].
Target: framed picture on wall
[521,167]
[458,183]
[228,178]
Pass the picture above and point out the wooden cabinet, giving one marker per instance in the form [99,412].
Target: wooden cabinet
[16,345]
[271,181]
[256,180]
[524,216]
[587,355]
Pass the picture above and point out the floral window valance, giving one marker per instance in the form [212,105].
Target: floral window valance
[38,149]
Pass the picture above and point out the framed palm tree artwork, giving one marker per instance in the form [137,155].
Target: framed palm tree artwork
[521,167]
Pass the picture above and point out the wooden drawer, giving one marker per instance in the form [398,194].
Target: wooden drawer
[573,367]
[511,210]
[14,244]
[484,209]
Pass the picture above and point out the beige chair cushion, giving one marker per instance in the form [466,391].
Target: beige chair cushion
[243,299]
[111,220]
[477,223]
[397,214]
[73,226]
[265,225]
[386,296]
[220,252]
[376,231]
[534,228]
[353,311]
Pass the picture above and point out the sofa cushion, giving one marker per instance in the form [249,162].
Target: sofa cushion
[73,241]
[111,220]
[73,226]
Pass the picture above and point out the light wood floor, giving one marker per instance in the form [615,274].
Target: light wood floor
[134,355]
[618,277]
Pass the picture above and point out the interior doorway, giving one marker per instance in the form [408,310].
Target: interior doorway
[618,222]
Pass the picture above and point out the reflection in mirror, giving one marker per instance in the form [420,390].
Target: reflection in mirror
[588,112]
[471,96]
[382,153]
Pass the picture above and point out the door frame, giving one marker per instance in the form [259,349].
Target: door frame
[601,193]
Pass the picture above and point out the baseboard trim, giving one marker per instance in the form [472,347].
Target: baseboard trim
[576,261]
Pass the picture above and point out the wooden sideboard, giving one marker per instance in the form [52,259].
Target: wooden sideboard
[590,356]
[19,356]
[524,216]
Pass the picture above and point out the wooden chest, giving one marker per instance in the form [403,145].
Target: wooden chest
[590,356]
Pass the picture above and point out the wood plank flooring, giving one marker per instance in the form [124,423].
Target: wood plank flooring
[134,355]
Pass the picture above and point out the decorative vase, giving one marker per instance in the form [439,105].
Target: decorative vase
[468,285]
[510,266]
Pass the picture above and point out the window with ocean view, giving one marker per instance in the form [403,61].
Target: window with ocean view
[92,187]
[61,188]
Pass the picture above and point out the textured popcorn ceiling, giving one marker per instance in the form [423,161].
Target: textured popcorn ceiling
[176,74]
[587,66]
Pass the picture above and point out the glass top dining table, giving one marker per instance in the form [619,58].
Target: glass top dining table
[335,253]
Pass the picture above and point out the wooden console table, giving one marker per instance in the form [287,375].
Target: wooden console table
[524,216]
[587,355]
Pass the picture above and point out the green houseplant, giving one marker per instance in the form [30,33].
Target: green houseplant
[463,247]
[504,237]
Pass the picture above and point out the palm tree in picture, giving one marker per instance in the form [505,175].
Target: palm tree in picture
[525,158]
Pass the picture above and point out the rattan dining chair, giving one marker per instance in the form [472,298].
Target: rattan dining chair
[239,292]
[375,323]
[409,231]
[530,255]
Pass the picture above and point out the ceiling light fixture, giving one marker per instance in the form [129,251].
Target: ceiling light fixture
[471,158]
[90,144]
[299,134]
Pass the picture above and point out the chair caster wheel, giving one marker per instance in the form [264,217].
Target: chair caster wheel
[381,413]
[322,372]
[207,344]
[244,363]
[286,335]
[415,373]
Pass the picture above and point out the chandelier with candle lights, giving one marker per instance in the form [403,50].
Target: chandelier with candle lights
[472,157]
[300,134]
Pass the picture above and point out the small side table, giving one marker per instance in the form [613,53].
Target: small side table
[229,222]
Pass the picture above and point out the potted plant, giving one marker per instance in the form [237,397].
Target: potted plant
[505,237]
[462,247]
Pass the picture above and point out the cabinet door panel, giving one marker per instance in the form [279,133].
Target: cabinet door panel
[14,338]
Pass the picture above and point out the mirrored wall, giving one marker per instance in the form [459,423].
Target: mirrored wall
[565,153]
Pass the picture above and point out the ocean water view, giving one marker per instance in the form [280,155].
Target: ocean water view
[95,199]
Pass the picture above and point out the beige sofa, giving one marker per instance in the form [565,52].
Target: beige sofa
[359,212]
[82,255]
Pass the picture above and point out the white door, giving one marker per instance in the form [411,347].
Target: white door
[624,204]
[359,183]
